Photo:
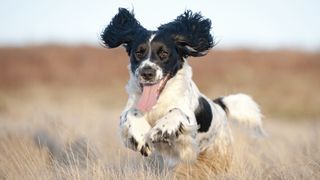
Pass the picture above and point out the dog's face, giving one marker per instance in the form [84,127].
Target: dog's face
[156,56]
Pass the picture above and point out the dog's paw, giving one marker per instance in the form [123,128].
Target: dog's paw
[166,132]
[139,146]
[136,129]
[145,150]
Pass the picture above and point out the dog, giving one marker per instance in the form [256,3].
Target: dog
[166,115]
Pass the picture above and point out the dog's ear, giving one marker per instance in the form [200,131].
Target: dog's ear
[191,33]
[122,30]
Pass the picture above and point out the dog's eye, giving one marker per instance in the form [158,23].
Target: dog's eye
[163,54]
[140,53]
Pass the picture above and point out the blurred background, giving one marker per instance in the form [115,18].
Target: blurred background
[56,79]
[269,49]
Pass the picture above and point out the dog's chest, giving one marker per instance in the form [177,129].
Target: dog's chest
[168,100]
[166,104]
[156,114]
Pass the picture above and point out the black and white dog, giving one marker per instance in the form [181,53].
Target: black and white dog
[166,115]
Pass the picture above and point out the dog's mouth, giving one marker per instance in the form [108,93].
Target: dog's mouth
[150,94]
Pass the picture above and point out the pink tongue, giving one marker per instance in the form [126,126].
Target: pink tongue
[148,97]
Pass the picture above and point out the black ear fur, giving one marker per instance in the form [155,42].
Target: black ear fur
[191,33]
[122,29]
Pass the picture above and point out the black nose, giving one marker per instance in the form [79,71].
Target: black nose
[147,73]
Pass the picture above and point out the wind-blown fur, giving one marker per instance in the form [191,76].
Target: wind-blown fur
[199,42]
[185,130]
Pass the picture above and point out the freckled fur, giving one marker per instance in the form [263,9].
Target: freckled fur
[170,129]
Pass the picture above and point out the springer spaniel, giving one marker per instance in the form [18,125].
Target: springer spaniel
[166,115]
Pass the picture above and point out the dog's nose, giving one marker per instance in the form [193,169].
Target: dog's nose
[148,73]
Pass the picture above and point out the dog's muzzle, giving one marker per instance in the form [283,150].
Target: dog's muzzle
[147,74]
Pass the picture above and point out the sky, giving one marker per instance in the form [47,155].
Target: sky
[267,24]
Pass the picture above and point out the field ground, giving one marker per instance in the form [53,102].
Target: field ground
[59,110]
[74,136]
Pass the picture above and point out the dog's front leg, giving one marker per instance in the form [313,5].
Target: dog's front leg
[175,132]
[133,130]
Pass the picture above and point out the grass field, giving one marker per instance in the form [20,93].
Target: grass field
[59,110]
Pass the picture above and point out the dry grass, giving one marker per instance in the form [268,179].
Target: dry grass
[59,109]
[70,134]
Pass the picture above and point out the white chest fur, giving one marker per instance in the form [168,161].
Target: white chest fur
[180,92]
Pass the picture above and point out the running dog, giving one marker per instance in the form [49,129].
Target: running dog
[166,115]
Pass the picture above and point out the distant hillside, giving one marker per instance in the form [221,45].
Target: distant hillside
[284,82]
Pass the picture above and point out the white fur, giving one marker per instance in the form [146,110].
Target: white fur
[175,106]
[242,109]
[169,124]
[133,125]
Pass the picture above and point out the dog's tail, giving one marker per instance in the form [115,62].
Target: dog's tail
[242,109]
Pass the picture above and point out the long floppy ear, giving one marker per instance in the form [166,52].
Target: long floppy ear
[122,30]
[191,33]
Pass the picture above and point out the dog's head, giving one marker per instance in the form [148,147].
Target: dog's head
[156,56]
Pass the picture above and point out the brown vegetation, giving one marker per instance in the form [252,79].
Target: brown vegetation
[59,109]
[285,83]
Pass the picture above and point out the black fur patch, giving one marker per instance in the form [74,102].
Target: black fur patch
[187,35]
[221,103]
[203,115]
[133,142]
[190,32]
[124,29]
